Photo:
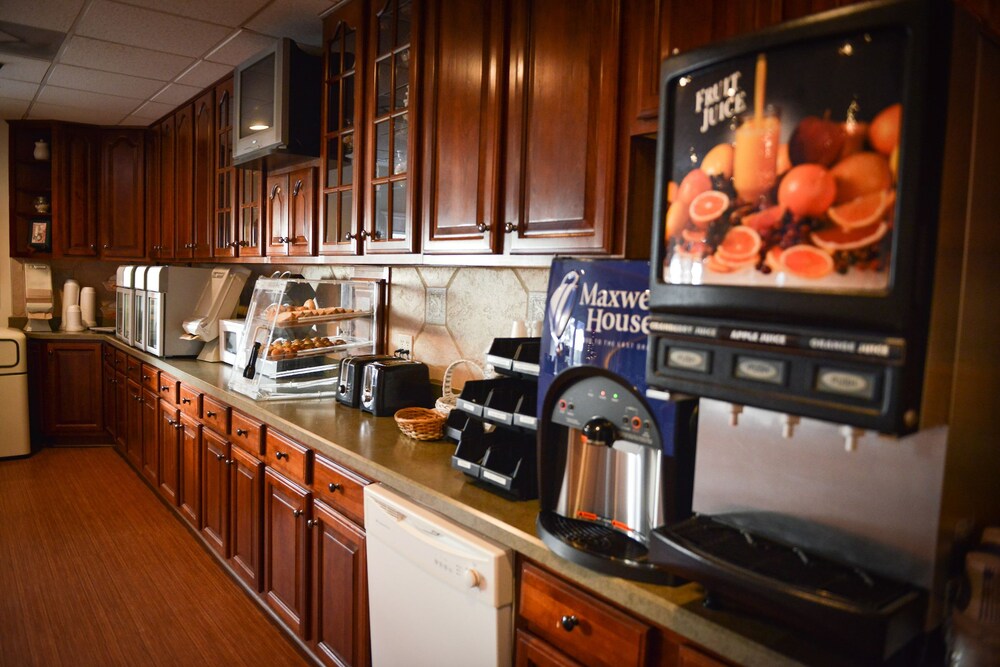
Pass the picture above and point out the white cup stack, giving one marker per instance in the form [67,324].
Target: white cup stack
[70,297]
[74,319]
[88,306]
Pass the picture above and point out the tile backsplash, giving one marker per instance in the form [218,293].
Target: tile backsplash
[451,312]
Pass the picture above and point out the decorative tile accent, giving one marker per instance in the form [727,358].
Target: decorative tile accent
[534,280]
[437,276]
[436,306]
[536,306]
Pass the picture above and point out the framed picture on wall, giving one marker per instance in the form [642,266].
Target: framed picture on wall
[41,234]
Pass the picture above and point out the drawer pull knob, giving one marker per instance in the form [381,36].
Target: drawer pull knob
[281,455]
[230,462]
[209,413]
[220,457]
[243,432]
[185,401]
[178,425]
[164,387]
[296,513]
[311,522]
[335,487]
[172,422]
[567,623]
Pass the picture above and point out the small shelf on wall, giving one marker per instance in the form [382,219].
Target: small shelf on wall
[30,190]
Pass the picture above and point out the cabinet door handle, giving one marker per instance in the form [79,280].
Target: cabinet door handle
[230,462]
[220,457]
[185,401]
[275,190]
[349,236]
[172,422]
[243,244]
[209,413]
[297,188]
[281,455]
[145,377]
[164,387]
[297,513]
[312,522]
[483,227]
[243,432]
[93,246]
[567,623]
[178,425]
[363,235]
[107,245]
[509,227]
[335,487]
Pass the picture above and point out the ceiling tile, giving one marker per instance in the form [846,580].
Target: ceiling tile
[243,45]
[123,59]
[50,14]
[23,69]
[17,90]
[151,111]
[203,74]
[12,109]
[135,26]
[230,13]
[298,19]
[75,113]
[176,94]
[87,100]
[108,83]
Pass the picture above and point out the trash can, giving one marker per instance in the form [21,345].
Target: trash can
[14,389]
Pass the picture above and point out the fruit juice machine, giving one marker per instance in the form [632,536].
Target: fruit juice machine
[812,281]
[124,303]
[170,295]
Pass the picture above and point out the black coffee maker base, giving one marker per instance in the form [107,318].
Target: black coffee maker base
[601,549]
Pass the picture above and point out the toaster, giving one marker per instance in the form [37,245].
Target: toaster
[352,371]
[395,384]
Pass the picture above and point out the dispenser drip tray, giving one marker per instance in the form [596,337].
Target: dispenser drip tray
[600,548]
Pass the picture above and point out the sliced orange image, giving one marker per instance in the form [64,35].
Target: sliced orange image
[839,238]
[862,211]
[708,206]
[740,244]
[806,261]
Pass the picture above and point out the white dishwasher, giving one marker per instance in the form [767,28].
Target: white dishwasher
[439,595]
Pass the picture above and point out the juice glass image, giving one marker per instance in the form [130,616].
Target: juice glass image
[755,155]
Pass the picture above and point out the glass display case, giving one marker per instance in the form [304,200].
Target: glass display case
[297,331]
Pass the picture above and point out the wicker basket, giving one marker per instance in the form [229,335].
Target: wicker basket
[420,423]
[449,398]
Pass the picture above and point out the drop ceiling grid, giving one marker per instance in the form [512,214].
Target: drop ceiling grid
[132,62]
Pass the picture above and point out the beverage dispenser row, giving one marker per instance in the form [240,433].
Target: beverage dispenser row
[494,422]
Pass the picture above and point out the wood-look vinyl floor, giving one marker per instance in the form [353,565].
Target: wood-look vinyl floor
[95,570]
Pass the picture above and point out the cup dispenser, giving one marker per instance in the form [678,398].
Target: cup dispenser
[38,297]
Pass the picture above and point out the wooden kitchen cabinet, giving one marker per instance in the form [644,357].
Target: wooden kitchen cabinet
[122,200]
[225,238]
[530,651]
[189,470]
[286,575]
[345,73]
[133,423]
[203,176]
[562,125]
[109,397]
[215,493]
[150,437]
[169,441]
[76,159]
[246,514]
[461,137]
[339,589]
[67,387]
[184,182]
[290,212]
[163,240]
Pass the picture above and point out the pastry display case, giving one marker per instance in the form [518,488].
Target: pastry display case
[297,331]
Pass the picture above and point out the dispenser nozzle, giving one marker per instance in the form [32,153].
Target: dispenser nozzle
[734,414]
[788,424]
[851,437]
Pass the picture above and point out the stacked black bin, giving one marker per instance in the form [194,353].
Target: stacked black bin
[494,421]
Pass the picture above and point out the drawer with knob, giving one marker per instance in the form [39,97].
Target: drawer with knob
[133,369]
[247,433]
[577,623]
[168,388]
[340,488]
[190,401]
[215,415]
[284,454]
[150,378]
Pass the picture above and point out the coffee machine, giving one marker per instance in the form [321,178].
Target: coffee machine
[612,463]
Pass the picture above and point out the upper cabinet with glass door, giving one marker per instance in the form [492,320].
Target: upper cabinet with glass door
[343,105]
[389,196]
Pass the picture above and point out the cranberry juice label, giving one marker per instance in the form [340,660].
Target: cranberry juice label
[782,167]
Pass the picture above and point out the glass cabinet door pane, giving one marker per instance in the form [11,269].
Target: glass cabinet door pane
[405,10]
[333,107]
[401,128]
[249,231]
[346,217]
[402,92]
[335,50]
[385,21]
[382,149]
[347,100]
[381,211]
[331,230]
[350,49]
[398,229]
[332,170]
[347,165]
[383,86]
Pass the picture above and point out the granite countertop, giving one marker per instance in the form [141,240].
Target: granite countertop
[375,448]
